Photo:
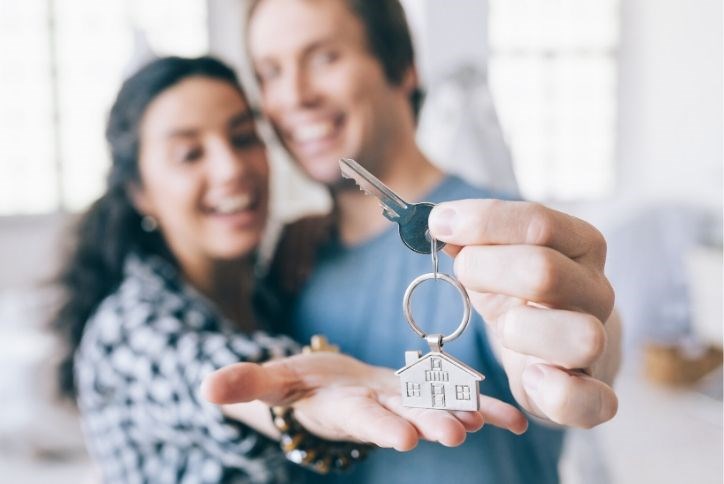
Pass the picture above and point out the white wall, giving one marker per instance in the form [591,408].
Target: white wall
[29,249]
[447,34]
[225,31]
[670,106]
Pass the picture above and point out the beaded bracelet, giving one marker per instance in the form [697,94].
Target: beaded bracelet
[308,450]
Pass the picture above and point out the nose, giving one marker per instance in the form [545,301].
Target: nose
[226,165]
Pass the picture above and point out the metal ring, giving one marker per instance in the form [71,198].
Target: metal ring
[406,302]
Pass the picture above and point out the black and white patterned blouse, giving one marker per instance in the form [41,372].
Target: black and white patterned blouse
[138,370]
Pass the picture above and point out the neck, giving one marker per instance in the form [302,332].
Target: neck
[411,176]
[227,284]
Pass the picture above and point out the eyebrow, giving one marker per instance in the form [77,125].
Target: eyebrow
[182,133]
[319,43]
[239,119]
[307,49]
[243,117]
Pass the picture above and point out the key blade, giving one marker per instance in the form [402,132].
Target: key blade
[394,207]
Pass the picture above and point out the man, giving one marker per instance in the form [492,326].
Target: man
[338,79]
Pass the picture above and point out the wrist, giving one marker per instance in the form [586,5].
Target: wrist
[306,449]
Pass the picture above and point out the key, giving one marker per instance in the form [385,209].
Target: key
[410,217]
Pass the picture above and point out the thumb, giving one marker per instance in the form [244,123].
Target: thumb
[274,383]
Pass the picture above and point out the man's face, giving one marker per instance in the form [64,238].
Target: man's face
[323,90]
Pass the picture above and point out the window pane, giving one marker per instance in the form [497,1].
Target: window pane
[28,183]
[94,44]
[560,25]
[62,63]
[559,115]
[552,74]
[97,41]
[172,27]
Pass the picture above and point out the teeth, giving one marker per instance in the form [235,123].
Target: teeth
[312,132]
[233,204]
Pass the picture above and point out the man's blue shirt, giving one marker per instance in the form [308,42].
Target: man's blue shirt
[354,298]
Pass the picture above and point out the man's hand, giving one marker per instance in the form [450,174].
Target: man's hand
[339,398]
[536,276]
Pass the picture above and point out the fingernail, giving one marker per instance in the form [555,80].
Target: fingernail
[523,430]
[532,377]
[204,389]
[441,220]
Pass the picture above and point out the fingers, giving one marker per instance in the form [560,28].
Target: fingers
[354,413]
[537,274]
[282,381]
[497,222]
[565,338]
[385,429]
[450,427]
[436,426]
[503,415]
[570,398]
[471,421]
[522,253]
[274,384]
[433,425]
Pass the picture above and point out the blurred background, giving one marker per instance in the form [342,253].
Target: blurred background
[608,109]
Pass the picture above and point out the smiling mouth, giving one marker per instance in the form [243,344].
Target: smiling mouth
[314,133]
[236,204]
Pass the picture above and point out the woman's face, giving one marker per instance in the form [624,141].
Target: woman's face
[204,172]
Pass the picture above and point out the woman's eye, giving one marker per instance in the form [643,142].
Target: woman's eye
[245,140]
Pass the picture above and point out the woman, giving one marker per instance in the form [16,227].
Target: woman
[160,292]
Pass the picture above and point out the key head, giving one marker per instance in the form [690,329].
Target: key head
[414,232]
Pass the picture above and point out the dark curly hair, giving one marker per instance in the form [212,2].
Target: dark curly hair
[111,228]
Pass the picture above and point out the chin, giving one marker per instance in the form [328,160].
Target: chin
[238,249]
[325,171]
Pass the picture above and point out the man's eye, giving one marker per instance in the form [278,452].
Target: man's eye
[267,73]
[323,57]
[191,155]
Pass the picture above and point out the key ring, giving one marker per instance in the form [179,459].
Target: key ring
[433,243]
[407,300]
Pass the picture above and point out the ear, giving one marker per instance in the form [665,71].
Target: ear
[139,199]
[410,80]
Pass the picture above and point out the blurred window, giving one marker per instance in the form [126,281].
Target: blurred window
[553,70]
[61,63]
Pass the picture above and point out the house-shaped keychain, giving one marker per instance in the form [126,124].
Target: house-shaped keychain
[438,380]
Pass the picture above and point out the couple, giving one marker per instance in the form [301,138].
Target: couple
[163,310]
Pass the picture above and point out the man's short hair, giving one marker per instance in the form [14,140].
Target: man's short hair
[390,41]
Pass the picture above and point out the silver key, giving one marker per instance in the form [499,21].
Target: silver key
[410,217]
